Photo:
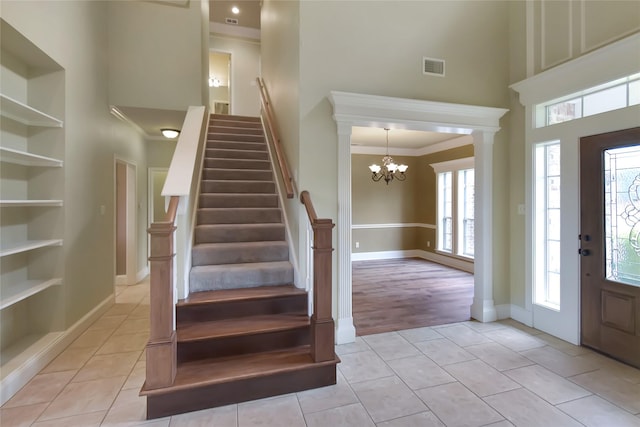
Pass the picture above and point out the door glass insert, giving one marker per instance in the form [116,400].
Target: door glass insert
[622,214]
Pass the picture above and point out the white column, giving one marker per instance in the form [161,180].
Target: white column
[483,308]
[345,331]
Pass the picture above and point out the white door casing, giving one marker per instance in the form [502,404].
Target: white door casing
[352,109]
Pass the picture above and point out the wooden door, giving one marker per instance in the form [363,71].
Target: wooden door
[610,243]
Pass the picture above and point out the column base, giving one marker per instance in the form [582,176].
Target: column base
[345,331]
[483,310]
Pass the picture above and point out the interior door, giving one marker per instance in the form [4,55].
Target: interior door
[610,243]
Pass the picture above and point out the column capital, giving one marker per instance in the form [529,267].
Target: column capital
[344,128]
[483,137]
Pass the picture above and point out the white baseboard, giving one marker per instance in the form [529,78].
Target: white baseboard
[457,263]
[522,315]
[33,364]
[369,256]
[144,272]
[121,280]
[503,311]
[345,331]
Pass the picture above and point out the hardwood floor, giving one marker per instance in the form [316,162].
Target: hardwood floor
[390,295]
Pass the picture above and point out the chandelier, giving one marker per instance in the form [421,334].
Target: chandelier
[389,170]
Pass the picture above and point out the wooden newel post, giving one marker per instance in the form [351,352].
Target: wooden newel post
[322,326]
[161,348]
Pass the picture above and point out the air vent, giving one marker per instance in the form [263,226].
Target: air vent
[433,66]
[232,21]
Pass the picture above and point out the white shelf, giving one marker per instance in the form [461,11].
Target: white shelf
[27,203]
[25,114]
[29,245]
[16,292]
[9,155]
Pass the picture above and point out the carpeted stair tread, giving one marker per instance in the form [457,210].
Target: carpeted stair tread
[238,215]
[232,174]
[230,186]
[246,200]
[228,153]
[237,163]
[236,145]
[219,233]
[233,276]
[239,252]
[235,137]
[249,325]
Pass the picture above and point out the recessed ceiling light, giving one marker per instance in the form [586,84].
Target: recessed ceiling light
[235,10]
[170,133]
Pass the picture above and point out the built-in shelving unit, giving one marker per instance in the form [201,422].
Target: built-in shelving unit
[32,107]
[25,114]
[17,157]
[16,292]
[27,246]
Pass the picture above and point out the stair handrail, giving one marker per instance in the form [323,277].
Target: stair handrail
[275,137]
[322,325]
[170,248]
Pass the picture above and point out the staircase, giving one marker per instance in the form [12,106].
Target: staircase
[244,332]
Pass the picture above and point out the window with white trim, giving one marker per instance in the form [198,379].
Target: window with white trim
[455,206]
[546,240]
[609,96]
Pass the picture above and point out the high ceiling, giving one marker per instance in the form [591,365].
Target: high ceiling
[249,15]
[150,121]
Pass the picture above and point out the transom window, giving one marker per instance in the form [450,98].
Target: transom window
[610,96]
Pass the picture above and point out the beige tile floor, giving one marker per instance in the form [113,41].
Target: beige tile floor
[466,374]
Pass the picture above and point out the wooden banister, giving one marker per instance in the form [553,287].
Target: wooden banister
[274,136]
[161,348]
[322,325]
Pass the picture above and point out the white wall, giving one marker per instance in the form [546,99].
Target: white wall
[245,67]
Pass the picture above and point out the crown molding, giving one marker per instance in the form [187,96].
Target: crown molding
[616,60]
[234,31]
[368,110]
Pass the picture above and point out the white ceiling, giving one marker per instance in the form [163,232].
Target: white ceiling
[398,138]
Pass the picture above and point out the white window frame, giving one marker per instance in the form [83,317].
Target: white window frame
[541,236]
[453,166]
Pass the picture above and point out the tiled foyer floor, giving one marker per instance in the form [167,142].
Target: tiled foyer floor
[464,374]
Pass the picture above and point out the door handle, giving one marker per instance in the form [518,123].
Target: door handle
[584,252]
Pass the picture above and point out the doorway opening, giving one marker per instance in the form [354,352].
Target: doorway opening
[220,82]
[125,223]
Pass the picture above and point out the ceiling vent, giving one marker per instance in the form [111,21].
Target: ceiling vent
[232,21]
[433,66]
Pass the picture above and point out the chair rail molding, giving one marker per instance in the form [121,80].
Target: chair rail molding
[355,109]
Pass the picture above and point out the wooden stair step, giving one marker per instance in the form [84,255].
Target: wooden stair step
[242,326]
[232,295]
[216,382]
[232,303]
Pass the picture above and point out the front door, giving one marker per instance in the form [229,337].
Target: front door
[610,243]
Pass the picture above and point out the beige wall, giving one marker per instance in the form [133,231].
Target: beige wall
[245,67]
[280,68]
[156,55]
[75,34]
[412,201]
